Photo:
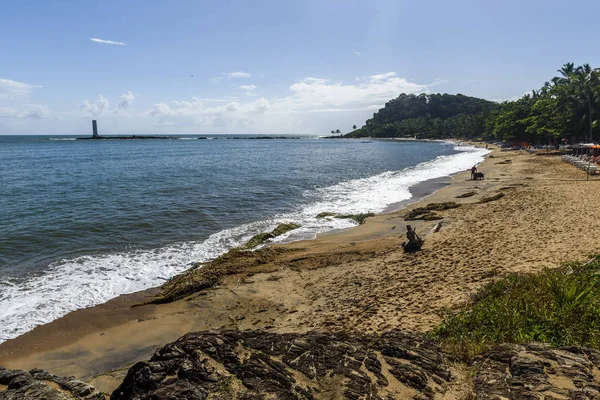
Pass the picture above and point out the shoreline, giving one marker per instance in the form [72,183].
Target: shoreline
[356,279]
[52,346]
[154,260]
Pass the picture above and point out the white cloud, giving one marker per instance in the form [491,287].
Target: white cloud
[261,105]
[382,77]
[177,108]
[97,107]
[509,98]
[310,104]
[195,113]
[247,87]
[103,41]
[236,75]
[315,93]
[356,52]
[11,89]
[32,111]
[197,108]
[126,100]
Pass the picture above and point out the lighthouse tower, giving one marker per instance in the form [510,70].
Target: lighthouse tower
[94,129]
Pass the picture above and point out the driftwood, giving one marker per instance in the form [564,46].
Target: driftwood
[414,242]
[437,227]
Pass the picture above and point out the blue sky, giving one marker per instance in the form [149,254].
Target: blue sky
[272,67]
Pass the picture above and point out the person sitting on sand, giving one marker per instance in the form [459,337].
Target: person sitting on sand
[473,171]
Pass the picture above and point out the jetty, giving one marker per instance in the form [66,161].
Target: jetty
[95,135]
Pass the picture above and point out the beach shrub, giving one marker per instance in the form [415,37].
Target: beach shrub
[558,306]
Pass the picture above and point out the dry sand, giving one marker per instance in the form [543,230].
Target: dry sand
[359,279]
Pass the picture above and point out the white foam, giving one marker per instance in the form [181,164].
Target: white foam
[72,284]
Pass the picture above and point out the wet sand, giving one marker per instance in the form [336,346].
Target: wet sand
[358,279]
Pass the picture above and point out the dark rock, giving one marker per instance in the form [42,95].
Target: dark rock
[38,384]
[537,371]
[262,365]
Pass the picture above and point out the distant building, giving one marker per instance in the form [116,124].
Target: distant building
[94,128]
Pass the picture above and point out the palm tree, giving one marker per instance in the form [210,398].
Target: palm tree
[578,89]
[587,82]
[337,131]
[333,132]
[567,71]
[354,127]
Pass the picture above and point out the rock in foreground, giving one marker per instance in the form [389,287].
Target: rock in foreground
[262,365]
[537,371]
[38,384]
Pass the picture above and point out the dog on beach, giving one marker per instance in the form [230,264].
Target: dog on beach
[478,176]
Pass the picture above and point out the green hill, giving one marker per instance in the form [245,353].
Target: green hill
[429,116]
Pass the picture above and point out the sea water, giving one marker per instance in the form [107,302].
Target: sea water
[84,221]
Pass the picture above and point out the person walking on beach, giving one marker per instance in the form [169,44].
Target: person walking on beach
[473,172]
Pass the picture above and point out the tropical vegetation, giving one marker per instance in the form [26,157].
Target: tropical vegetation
[558,306]
[564,109]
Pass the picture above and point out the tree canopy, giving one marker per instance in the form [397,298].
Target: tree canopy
[566,107]
[429,116]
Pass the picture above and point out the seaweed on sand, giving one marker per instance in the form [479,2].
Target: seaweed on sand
[465,195]
[358,218]
[426,213]
[206,275]
[491,198]
[264,237]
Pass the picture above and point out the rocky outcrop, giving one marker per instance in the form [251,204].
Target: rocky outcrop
[537,371]
[262,365]
[38,384]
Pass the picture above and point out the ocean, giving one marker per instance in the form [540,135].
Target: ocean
[86,221]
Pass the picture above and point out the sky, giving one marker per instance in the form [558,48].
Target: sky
[272,67]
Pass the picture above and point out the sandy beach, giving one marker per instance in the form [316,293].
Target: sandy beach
[356,280]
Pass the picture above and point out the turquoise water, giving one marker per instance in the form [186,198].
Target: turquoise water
[86,221]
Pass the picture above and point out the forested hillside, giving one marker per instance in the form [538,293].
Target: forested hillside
[566,108]
[429,116]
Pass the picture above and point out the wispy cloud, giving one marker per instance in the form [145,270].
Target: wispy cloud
[32,111]
[10,88]
[356,52]
[236,75]
[382,77]
[103,41]
[247,87]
